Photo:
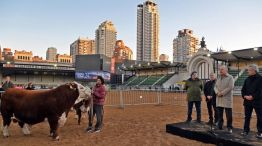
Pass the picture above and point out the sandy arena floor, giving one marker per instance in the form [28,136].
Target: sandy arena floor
[134,125]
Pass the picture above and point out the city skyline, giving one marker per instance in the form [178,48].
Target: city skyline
[37,25]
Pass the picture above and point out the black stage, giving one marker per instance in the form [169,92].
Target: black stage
[202,132]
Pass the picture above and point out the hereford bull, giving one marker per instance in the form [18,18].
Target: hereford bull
[82,107]
[30,107]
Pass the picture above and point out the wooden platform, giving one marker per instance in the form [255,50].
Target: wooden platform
[202,132]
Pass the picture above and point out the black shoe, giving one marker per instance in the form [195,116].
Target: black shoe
[219,128]
[209,123]
[198,121]
[97,130]
[89,129]
[230,131]
[188,121]
[244,133]
[259,135]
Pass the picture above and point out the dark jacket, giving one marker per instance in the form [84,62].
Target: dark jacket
[7,85]
[209,90]
[193,88]
[99,93]
[253,86]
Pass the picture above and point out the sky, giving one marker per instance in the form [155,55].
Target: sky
[35,25]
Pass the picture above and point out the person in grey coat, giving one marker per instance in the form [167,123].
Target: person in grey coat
[224,91]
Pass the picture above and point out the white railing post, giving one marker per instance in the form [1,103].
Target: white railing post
[121,99]
[158,96]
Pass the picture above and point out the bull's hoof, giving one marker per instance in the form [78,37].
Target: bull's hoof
[28,134]
[57,138]
[26,130]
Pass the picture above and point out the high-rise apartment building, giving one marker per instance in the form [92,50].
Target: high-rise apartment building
[122,52]
[105,38]
[147,31]
[185,45]
[82,46]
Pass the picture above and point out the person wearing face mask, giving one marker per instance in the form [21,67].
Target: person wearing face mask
[98,93]
[194,86]
[252,95]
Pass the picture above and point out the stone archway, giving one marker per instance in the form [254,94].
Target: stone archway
[202,64]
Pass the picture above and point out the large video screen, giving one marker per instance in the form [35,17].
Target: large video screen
[91,75]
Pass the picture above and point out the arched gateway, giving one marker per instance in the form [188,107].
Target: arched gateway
[201,62]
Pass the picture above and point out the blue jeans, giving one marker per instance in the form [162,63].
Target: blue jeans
[190,107]
[248,114]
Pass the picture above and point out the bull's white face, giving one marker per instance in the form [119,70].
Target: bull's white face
[84,93]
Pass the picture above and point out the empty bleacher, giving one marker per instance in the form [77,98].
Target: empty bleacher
[151,80]
[148,80]
[234,73]
[137,80]
[241,79]
[164,79]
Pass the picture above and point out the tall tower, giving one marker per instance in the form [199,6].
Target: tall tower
[185,45]
[51,54]
[105,38]
[147,31]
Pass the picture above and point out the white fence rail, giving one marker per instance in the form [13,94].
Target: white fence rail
[122,98]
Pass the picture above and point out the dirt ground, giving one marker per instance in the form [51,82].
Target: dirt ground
[133,125]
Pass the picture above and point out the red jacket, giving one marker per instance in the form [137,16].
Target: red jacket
[99,93]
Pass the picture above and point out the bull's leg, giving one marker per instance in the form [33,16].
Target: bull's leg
[79,114]
[6,124]
[25,128]
[53,124]
[62,120]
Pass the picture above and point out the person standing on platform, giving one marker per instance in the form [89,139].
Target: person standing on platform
[194,87]
[211,99]
[252,95]
[224,90]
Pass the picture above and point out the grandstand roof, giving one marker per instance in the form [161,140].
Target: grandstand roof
[153,65]
[244,54]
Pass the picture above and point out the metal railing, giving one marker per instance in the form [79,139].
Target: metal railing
[124,97]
